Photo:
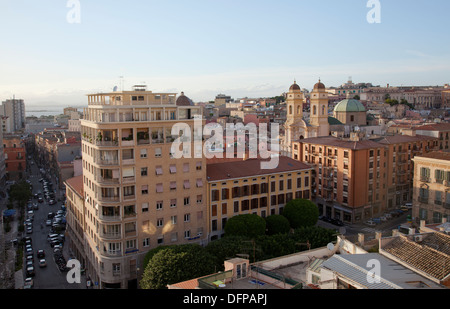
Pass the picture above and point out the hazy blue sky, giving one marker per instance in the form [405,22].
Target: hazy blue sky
[205,47]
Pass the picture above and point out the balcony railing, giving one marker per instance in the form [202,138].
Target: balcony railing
[423,199]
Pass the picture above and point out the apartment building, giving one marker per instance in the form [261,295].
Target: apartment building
[437,130]
[357,179]
[431,199]
[137,196]
[15,156]
[242,187]
[14,109]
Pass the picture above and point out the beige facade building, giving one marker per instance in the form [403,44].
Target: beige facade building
[431,201]
[136,195]
[242,187]
[357,179]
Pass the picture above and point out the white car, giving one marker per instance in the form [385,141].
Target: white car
[370,223]
[28,283]
[48,222]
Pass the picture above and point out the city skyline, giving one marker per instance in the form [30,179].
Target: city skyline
[253,49]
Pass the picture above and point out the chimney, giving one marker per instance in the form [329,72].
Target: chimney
[395,233]
[412,231]
[361,239]
[378,235]
[422,224]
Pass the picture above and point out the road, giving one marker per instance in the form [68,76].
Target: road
[48,277]
[354,229]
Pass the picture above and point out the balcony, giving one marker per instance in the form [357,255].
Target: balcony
[424,179]
[106,235]
[423,199]
[446,205]
[109,218]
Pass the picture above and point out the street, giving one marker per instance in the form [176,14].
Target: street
[49,277]
[354,229]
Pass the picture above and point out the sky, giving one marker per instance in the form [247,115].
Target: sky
[243,48]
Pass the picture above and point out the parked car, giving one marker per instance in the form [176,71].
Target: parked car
[40,200]
[376,220]
[383,218]
[30,271]
[41,254]
[370,223]
[42,263]
[28,283]
[409,205]
[48,222]
[29,230]
[52,202]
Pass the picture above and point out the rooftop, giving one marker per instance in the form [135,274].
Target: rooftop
[76,183]
[251,167]
[428,253]
[342,143]
[435,127]
[439,155]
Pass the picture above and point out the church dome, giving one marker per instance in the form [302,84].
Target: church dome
[294,86]
[349,106]
[184,100]
[319,85]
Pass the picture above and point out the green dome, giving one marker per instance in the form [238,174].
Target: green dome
[349,105]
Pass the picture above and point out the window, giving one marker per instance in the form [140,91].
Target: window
[144,190]
[143,171]
[144,207]
[173,203]
[158,153]
[199,199]
[173,219]
[159,205]
[186,167]
[187,217]
[143,153]
[215,195]
[173,169]
[186,201]
[198,166]
[159,170]
[173,185]
[159,188]
[187,184]
[199,183]
[146,242]
[159,222]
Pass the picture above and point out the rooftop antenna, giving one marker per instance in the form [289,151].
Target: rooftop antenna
[121,82]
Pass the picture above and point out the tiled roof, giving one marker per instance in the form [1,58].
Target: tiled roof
[250,167]
[431,255]
[435,127]
[337,142]
[440,155]
[396,139]
[76,183]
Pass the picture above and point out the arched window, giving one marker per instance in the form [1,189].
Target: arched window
[315,110]
[352,118]
[323,110]
[299,110]
[290,109]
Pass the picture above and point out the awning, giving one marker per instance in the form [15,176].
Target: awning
[159,170]
[187,184]
[199,183]
[173,169]
[173,185]
[159,188]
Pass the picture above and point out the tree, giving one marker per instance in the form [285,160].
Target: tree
[277,224]
[249,225]
[301,213]
[174,264]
